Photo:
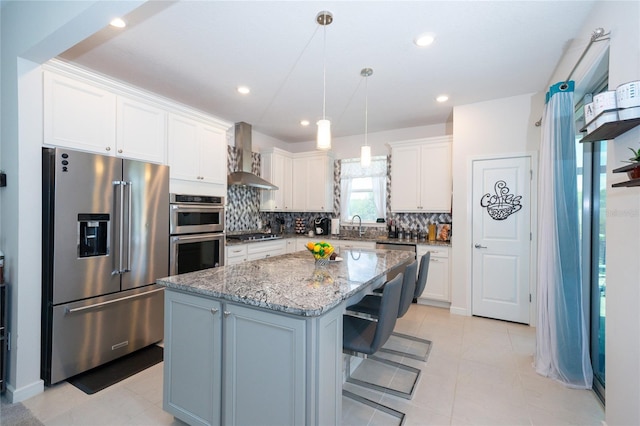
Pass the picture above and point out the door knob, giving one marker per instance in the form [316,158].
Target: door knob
[478,246]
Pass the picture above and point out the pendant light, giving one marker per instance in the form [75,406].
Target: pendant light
[323,140]
[365,150]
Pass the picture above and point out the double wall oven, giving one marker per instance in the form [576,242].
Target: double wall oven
[197,233]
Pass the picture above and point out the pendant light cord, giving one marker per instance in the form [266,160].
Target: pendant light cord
[324,72]
[366,109]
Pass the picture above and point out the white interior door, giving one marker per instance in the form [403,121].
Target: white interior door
[501,238]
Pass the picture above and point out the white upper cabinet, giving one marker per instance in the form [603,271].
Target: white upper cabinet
[84,116]
[141,131]
[197,151]
[421,175]
[277,168]
[78,115]
[313,182]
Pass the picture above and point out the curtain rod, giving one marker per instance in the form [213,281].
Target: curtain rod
[595,37]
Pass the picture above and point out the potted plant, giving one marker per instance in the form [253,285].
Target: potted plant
[635,172]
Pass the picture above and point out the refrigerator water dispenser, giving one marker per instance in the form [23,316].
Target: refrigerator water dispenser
[93,235]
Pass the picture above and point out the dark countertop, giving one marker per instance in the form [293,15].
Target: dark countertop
[304,290]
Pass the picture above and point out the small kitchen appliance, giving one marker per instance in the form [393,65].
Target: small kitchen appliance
[335,226]
[322,226]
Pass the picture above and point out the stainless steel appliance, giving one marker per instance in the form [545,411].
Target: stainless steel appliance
[396,246]
[197,233]
[322,226]
[105,228]
[254,236]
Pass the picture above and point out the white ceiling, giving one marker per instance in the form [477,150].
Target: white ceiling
[198,52]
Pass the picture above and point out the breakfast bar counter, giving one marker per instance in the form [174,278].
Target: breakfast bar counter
[261,342]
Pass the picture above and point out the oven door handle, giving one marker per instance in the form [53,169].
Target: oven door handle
[196,238]
[192,208]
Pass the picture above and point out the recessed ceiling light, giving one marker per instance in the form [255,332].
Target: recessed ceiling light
[304,122]
[442,98]
[424,39]
[244,90]
[118,23]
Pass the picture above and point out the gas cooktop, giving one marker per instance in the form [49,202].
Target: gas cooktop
[253,236]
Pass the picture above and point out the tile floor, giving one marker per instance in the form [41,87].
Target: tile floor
[478,373]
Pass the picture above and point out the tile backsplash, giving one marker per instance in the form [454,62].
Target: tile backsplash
[243,208]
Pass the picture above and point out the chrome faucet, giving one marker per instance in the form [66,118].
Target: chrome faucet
[360,230]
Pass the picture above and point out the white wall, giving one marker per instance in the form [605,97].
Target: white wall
[484,130]
[32,32]
[349,146]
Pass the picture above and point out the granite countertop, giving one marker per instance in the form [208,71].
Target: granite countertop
[291,283]
[383,239]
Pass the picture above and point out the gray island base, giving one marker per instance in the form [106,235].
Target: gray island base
[260,343]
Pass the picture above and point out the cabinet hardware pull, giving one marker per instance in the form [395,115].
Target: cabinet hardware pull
[214,310]
[120,151]
[226,313]
[478,246]
[108,148]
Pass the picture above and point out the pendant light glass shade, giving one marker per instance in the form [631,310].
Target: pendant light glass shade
[365,150]
[365,156]
[323,140]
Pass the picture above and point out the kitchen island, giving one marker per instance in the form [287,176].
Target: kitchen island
[261,342]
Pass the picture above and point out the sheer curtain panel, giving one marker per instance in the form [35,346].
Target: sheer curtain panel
[562,343]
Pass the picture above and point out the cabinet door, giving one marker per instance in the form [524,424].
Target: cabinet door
[276,169]
[235,254]
[435,194]
[254,339]
[437,287]
[78,115]
[192,358]
[317,180]
[291,245]
[405,179]
[213,155]
[299,187]
[141,131]
[183,147]
[286,177]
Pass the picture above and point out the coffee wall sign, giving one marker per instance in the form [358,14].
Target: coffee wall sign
[501,204]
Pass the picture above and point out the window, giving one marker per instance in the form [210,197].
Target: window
[363,191]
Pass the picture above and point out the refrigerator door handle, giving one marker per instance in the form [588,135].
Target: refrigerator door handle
[118,228]
[128,186]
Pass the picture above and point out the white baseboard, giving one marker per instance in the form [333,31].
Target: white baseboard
[460,311]
[25,392]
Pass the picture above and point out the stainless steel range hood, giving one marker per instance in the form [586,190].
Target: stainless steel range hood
[244,177]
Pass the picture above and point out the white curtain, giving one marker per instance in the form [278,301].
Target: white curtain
[562,341]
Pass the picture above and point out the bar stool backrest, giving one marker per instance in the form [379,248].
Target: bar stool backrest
[422,275]
[388,312]
[408,288]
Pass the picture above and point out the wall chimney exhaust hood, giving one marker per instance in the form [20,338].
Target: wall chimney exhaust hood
[244,177]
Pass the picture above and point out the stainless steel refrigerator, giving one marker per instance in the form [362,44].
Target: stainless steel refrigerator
[105,242]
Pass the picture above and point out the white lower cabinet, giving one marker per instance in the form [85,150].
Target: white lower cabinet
[355,244]
[238,365]
[235,254]
[291,245]
[438,281]
[264,249]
